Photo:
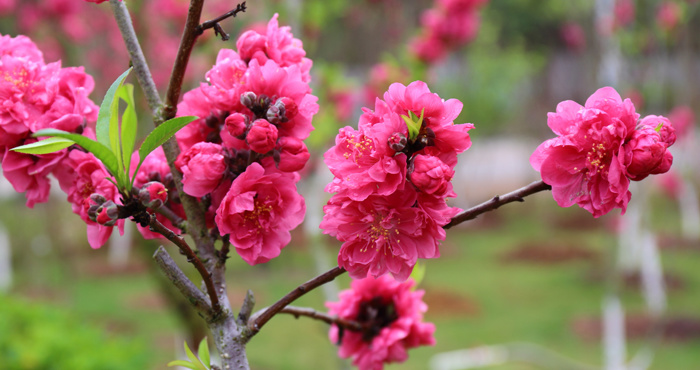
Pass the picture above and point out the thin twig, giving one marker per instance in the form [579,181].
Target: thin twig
[214,23]
[176,220]
[316,315]
[265,316]
[497,201]
[246,308]
[172,271]
[156,226]
[143,74]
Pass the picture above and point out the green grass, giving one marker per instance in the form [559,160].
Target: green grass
[511,301]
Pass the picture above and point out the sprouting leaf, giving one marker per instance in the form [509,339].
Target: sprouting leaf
[203,352]
[413,123]
[183,363]
[160,135]
[46,146]
[129,124]
[418,273]
[104,117]
[194,359]
[99,150]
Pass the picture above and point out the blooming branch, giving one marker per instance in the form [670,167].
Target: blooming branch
[497,201]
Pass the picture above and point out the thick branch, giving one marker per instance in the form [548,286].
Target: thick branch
[497,201]
[214,23]
[328,319]
[265,316]
[192,258]
[143,74]
[172,271]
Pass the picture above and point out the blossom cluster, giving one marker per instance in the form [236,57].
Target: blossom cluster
[448,25]
[391,314]
[601,147]
[392,177]
[243,155]
[36,96]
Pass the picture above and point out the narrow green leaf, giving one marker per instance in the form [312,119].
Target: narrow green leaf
[194,358]
[203,352]
[114,133]
[105,114]
[129,125]
[49,145]
[418,273]
[160,135]
[183,363]
[99,150]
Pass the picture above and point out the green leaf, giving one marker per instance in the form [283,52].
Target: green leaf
[104,117]
[49,145]
[418,273]
[160,135]
[194,358]
[128,126]
[99,150]
[183,363]
[413,123]
[203,352]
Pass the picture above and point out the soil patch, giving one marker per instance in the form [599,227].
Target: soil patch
[638,326]
[550,254]
[445,303]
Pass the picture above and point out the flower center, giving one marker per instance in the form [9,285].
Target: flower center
[379,232]
[357,146]
[259,215]
[374,315]
[596,160]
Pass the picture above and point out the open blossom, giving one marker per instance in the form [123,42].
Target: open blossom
[599,150]
[259,210]
[393,315]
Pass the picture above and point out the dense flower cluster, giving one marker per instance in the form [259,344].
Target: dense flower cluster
[242,155]
[600,148]
[392,176]
[393,315]
[448,25]
[36,96]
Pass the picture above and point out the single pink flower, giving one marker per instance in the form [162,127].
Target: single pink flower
[584,164]
[203,167]
[293,154]
[392,313]
[646,152]
[259,210]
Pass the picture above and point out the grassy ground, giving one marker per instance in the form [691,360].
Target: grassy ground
[476,294]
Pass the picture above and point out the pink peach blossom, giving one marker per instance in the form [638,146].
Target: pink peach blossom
[392,313]
[203,167]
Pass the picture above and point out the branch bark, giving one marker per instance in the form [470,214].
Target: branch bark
[316,315]
[497,201]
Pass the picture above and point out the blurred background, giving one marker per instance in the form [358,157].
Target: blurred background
[529,286]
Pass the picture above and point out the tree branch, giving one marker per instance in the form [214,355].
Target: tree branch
[172,271]
[214,23]
[316,315]
[497,201]
[143,73]
[255,325]
[156,226]
[176,220]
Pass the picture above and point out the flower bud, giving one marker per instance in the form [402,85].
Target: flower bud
[397,141]
[237,124]
[275,114]
[249,99]
[290,107]
[107,214]
[431,175]
[291,154]
[203,167]
[646,153]
[262,136]
[153,194]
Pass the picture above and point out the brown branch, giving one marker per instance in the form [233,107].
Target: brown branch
[316,315]
[214,23]
[497,201]
[265,316]
[176,220]
[172,271]
[156,226]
